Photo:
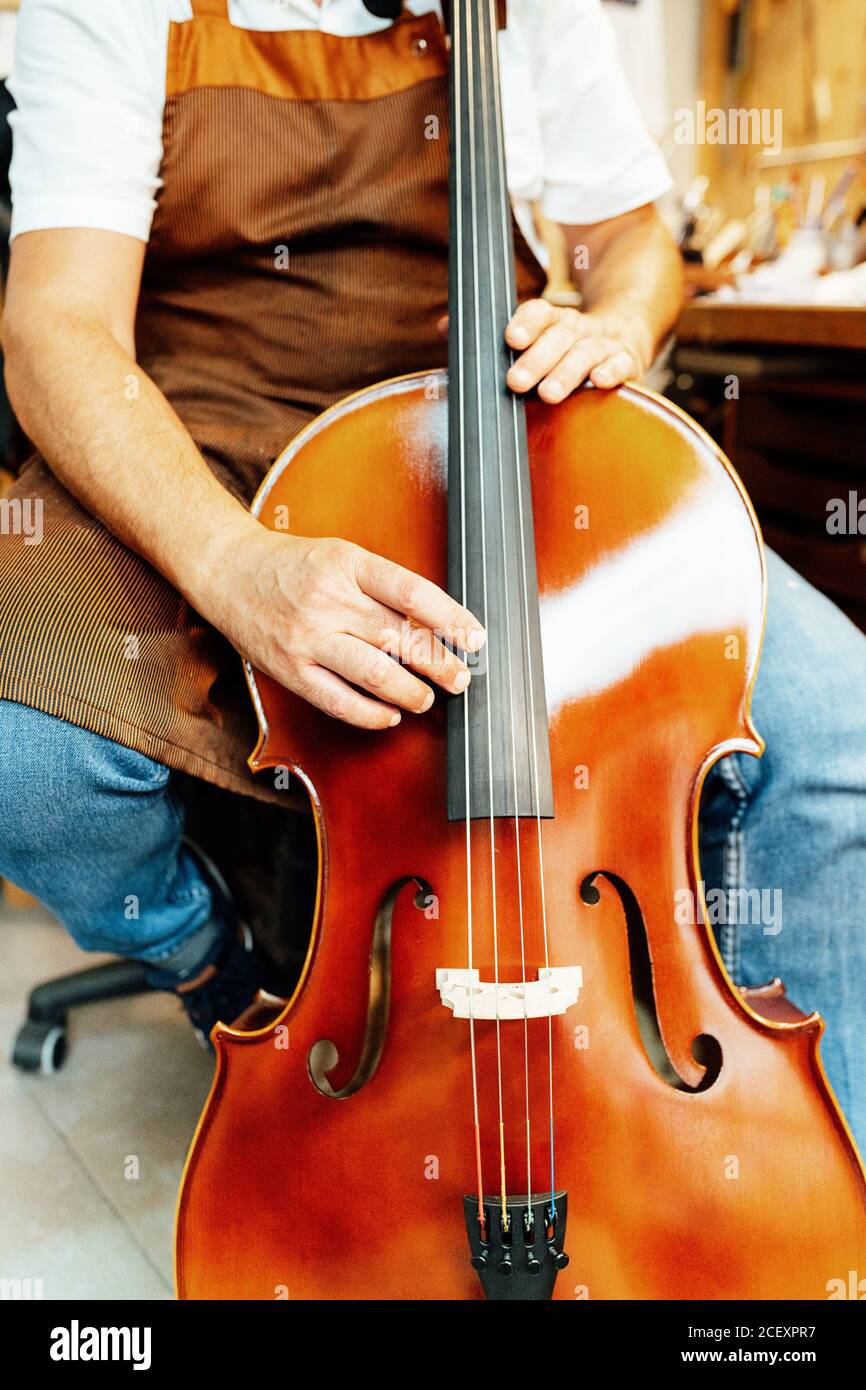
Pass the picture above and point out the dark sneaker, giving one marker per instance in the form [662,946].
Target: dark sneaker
[229,987]
[229,982]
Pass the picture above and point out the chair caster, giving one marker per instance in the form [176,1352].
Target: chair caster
[40,1047]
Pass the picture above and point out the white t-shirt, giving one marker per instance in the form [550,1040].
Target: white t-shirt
[89,81]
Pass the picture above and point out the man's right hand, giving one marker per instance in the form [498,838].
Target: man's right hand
[327,619]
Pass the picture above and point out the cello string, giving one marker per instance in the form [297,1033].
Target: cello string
[495,324]
[470,64]
[458,247]
[505,211]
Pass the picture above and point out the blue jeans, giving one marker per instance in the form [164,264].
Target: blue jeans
[94,830]
[783,837]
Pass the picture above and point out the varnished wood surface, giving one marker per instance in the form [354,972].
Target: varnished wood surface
[787,325]
[651,619]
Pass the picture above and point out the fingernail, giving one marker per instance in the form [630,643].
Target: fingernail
[518,336]
[519,377]
[475,639]
[395,719]
[427,703]
[461,680]
[553,391]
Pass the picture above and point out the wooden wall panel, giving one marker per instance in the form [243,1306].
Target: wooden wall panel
[806,57]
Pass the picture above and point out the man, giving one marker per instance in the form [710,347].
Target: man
[298,251]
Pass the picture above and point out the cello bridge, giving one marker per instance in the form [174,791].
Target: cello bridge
[468,996]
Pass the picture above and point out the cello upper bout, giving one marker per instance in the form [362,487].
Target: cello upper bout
[649,553]
[364,470]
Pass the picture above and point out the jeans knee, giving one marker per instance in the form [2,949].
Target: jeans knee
[808,701]
[62,786]
[91,829]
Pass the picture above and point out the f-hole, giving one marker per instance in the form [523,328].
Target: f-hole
[705,1049]
[323,1055]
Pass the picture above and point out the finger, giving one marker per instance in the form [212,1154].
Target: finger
[620,367]
[373,670]
[412,645]
[529,320]
[334,696]
[418,598]
[574,367]
[532,366]
[442,325]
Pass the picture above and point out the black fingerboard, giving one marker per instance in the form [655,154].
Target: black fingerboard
[502,721]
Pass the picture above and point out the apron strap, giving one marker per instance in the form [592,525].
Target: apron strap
[210,9]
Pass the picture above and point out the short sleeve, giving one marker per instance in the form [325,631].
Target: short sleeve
[570,99]
[89,86]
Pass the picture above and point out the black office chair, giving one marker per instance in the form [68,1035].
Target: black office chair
[42,1041]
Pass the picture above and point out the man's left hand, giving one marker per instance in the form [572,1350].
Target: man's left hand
[561,347]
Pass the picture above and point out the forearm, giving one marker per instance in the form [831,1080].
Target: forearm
[634,277]
[113,439]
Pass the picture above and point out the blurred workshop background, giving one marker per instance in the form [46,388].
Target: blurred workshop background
[760,108]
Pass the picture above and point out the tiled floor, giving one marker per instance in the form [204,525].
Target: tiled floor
[72,1211]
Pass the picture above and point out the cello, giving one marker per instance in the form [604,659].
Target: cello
[512,1068]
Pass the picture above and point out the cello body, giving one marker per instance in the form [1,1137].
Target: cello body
[698,1142]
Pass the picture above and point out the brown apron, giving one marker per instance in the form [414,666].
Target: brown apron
[298,253]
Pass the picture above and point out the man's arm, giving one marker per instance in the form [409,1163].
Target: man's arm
[103,426]
[630,275]
[320,616]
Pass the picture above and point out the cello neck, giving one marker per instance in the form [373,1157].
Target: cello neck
[502,721]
